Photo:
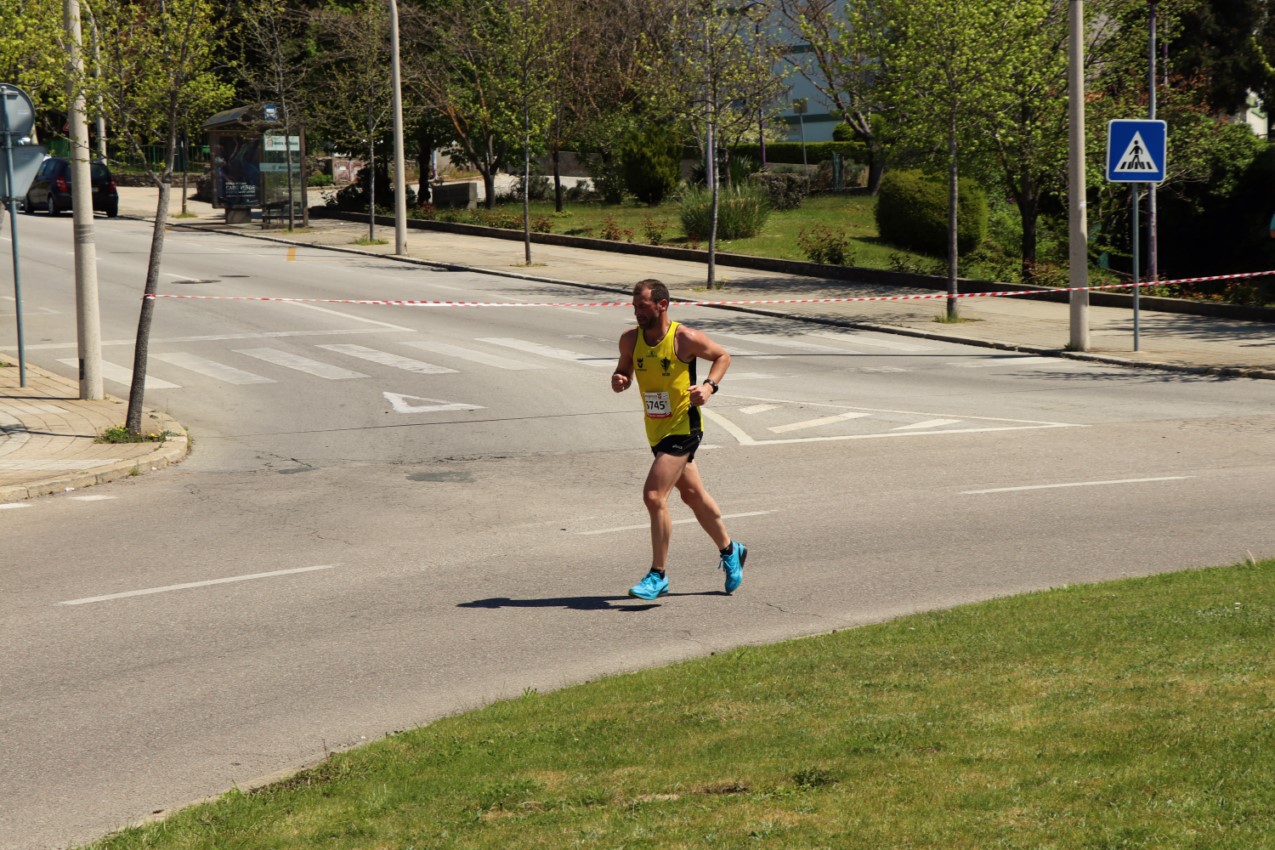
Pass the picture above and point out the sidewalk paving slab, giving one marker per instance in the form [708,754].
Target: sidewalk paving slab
[47,443]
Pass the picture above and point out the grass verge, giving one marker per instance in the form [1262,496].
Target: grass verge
[1138,713]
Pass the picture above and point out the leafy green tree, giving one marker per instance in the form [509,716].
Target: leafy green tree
[713,68]
[32,56]
[940,76]
[158,68]
[356,81]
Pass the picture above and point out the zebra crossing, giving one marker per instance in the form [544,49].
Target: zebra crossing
[334,361]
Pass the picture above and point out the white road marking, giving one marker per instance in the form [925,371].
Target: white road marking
[818,423]
[929,423]
[301,364]
[473,356]
[856,339]
[549,351]
[193,584]
[783,342]
[13,506]
[385,358]
[122,375]
[212,369]
[348,316]
[758,408]
[984,363]
[675,522]
[401,404]
[93,498]
[46,346]
[1075,484]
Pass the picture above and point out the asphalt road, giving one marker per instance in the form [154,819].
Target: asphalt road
[394,514]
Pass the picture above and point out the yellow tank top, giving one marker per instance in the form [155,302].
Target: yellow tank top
[665,384]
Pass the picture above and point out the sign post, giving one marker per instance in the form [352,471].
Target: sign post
[17,117]
[1136,153]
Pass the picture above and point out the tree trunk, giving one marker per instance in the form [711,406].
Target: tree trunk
[371,190]
[557,179]
[953,199]
[1028,213]
[141,348]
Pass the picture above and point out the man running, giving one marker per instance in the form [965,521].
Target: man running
[663,354]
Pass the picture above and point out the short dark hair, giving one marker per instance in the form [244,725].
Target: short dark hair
[659,292]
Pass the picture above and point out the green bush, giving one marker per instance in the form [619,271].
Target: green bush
[825,245]
[650,164]
[912,212]
[741,212]
[784,189]
[790,152]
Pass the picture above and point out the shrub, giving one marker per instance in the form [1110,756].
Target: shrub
[742,212]
[825,245]
[912,212]
[653,228]
[541,188]
[650,164]
[611,230]
[785,190]
[541,224]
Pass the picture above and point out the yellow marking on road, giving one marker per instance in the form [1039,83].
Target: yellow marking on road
[292,254]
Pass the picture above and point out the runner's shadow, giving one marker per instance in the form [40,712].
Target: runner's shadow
[576,603]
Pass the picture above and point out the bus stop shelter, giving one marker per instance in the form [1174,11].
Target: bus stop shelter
[257,165]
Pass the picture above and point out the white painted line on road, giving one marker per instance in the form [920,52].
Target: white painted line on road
[47,346]
[549,351]
[1075,484]
[13,506]
[857,339]
[351,318]
[93,498]
[675,522]
[193,584]
[401,404]
[818,423]
[758,408]
[988,362]
[783,342]
[212,369]
[929,423]
[473,356]
[385,358]
[301,364]
[122,375]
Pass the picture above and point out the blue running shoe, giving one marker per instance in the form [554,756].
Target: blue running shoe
[652,586]
[733,564]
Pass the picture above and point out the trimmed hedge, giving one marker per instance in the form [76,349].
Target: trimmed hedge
[790,152]
[912,212]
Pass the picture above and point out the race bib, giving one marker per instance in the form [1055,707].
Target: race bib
[657,406]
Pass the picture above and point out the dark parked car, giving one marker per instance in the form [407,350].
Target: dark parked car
[51,188]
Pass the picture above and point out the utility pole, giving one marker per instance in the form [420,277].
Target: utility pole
[400,171]
[1153,264]
[88,324]
[1078,218]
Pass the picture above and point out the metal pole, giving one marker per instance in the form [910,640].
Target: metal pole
[1153,252]
[13,227]
[1136,265]
[1078,242]
[400,170]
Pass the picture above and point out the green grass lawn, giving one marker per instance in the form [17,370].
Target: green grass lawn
[1134,714]
[851,214]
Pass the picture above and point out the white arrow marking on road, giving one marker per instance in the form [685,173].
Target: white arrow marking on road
[401,404]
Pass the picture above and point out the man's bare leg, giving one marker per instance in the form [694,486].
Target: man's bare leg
[665,472]
[701,502]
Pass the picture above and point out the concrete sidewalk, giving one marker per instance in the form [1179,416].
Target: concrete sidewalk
[1169,341]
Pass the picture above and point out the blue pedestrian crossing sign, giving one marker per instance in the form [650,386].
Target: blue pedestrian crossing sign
[1136,151]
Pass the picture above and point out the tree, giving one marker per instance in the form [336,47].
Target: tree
[356,82]
[157,70]
[939,73]
[31,52]
[841,67]
[713,68]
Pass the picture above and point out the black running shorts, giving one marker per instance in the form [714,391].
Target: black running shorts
[679,444]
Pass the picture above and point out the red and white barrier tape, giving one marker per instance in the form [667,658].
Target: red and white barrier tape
[927,296]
